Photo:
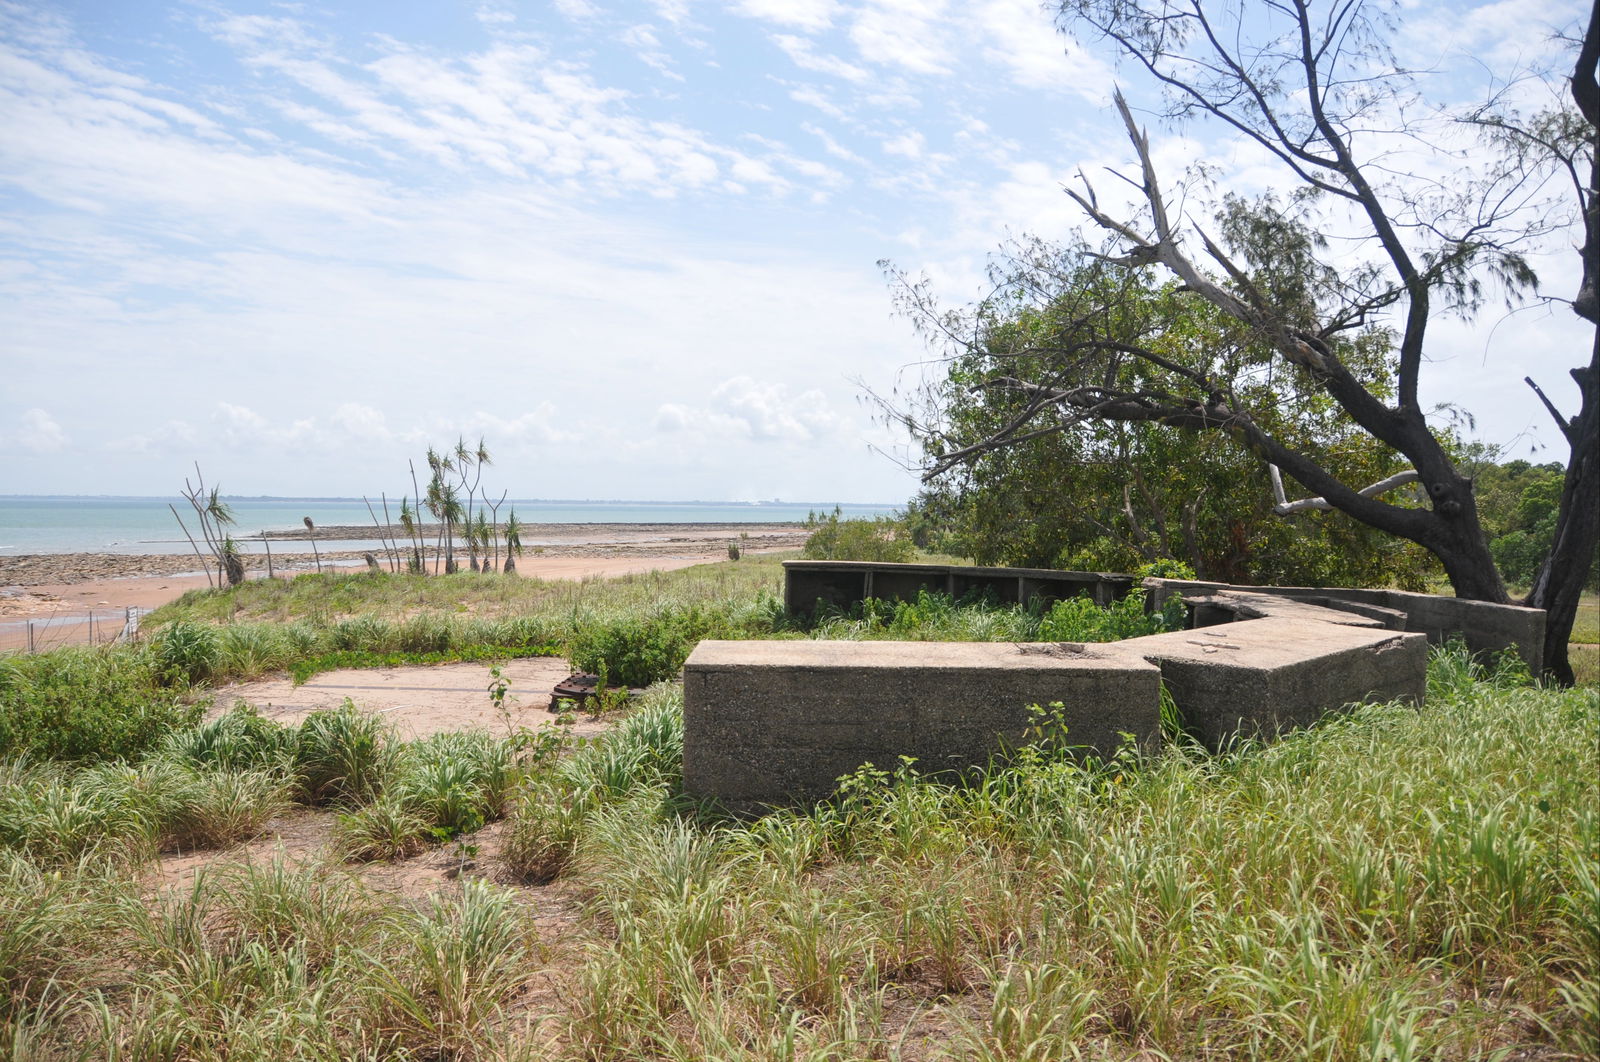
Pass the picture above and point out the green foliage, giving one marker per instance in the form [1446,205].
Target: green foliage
[1517,504]
[1344,888]
[1080,494]
[882,539]
[1164,568]
[189,652]
[344,756]
[638,650]
[1079,619]
[238,739]
[553,810]
[88,704]
[938,617]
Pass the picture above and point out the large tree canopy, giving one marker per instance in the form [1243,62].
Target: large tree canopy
[1380,225]
[1088,494]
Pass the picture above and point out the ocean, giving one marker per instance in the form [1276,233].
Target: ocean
[36,524]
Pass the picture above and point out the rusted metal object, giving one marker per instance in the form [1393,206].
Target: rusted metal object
[577,687]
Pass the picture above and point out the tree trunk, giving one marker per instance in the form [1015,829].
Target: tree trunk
[1560,581]
[1559,584]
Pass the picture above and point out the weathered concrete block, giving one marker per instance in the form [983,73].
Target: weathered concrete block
[1485,627]
[777,722]
[1264,676]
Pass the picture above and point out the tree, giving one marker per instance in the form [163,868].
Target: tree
[1313,92]
[1577,528]
[214,516]
[1115,496]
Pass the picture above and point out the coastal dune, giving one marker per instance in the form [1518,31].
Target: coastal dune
[60,592]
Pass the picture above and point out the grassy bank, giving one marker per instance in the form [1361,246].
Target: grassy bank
[1393,884]
[330,597]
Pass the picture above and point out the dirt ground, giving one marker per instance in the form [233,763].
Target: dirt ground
[418,701]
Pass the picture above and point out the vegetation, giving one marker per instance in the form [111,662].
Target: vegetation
[1519,503]
[1267,902]
[1091,496]
[214,516]
[88,705]
[1280,311]
[937,617]
[882,539]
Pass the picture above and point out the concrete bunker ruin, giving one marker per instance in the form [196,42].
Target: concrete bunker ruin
[772,723]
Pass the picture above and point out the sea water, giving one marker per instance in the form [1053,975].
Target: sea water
[37,524]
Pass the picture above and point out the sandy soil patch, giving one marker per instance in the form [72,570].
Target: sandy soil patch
[419,701]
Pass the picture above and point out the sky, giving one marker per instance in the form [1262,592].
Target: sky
[633,245]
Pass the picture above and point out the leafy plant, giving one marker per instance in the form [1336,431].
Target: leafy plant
[881,539]
[344,755]
[189,652]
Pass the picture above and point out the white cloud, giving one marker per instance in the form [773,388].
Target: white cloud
[36,433]
[542,425]
[1020,38]
[802,53]
[812,16]
[580,10]
[673,11]
[909,144]
[756,411]
[910,34]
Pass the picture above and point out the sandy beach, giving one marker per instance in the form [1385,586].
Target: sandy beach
[65,594]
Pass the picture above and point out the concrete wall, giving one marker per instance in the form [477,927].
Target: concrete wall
[1484,627]
[778,722]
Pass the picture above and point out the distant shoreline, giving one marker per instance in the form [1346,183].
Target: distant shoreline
[618,540]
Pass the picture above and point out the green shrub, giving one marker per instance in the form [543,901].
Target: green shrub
[88,704]
[881,539]
[638,651]
[1079,619]
[226,807]
[344,756]
[188,652]
[387,828]
[236,740]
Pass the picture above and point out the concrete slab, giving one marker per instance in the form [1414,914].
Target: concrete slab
[1258,678]
[778,722]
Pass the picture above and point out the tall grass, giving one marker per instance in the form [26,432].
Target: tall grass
[1393,883]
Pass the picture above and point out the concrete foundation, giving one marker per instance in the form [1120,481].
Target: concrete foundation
[778,722]
[772,723]
[1259,678]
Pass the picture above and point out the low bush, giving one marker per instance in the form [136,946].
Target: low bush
[344,756]
[189,652]
[637,651]
[88,704]
[883,539]
[238,739]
